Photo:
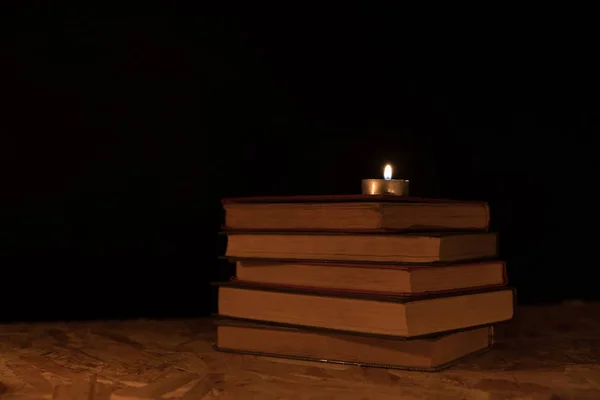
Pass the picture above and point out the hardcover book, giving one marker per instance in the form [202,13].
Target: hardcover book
[385,279]
[354,213]
[390,248]
[408,317]
[425,354]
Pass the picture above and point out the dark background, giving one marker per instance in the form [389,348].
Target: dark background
[121,133]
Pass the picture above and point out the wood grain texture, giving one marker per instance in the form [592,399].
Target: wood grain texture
[549,352]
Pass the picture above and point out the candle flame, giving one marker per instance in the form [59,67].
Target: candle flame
[387,172]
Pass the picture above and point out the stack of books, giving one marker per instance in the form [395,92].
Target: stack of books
[382,281]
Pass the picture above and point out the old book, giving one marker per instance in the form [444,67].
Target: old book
[430,354]
[354,213]
[391,279]
[397,316]
[407,248]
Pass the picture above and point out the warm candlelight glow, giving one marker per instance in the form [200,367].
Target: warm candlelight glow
[387,172]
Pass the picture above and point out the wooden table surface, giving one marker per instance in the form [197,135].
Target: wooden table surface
[549,352]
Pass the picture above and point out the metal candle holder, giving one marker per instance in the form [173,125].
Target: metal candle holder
[386,186]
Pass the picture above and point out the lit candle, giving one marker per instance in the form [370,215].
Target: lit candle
[387,185]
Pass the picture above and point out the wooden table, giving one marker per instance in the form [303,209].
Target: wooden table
[549,352]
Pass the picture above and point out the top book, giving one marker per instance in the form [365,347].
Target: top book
[354,213]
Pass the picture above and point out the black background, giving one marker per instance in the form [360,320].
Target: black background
[121,133]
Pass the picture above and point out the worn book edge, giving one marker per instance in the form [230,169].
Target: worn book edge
[344,198]
[357,295]
[366,264]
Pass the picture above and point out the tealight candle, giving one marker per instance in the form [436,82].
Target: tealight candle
[387,185]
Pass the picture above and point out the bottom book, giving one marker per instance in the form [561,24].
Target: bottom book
[425,354]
